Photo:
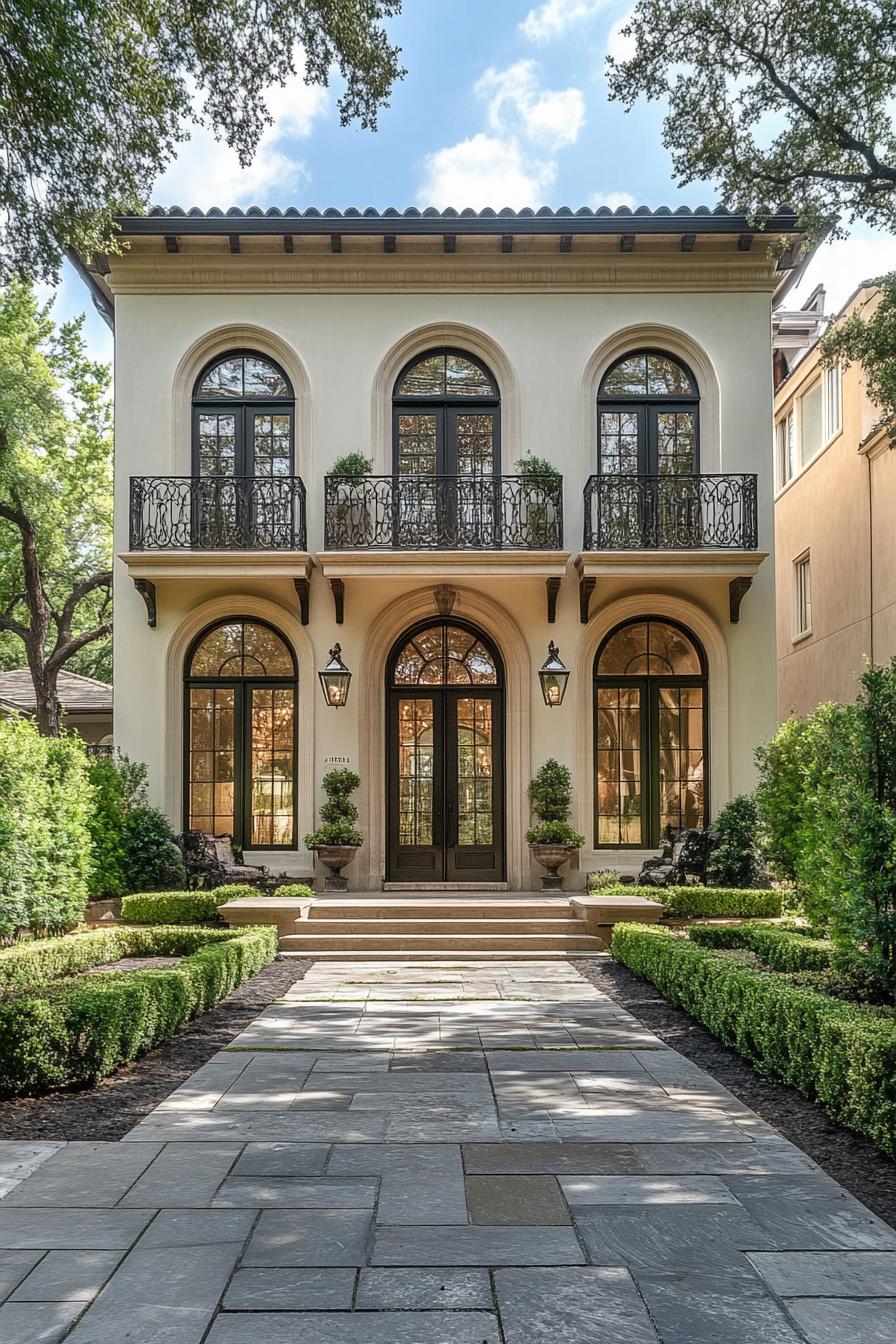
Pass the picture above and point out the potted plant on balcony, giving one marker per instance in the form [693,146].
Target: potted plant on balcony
[349,517]
[337,840]
[538,510]
[553,840]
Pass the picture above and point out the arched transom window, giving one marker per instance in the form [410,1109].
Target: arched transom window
[241,735]
[446,409]
[650,692]
[648,413]
[445,655]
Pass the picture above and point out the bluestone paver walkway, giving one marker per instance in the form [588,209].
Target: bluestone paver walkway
[417,1153]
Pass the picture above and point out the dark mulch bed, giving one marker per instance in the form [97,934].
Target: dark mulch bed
[849,1158]
[114,1106]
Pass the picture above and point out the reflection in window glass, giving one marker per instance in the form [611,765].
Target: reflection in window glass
[242,649]
[243,376]
[444,656]
[649,648]
[445,373]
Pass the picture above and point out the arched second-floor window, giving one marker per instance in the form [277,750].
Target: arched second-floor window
[243,418]
[446,416]
[648,410]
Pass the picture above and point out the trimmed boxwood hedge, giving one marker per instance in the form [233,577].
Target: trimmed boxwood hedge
[69,1034]
[27,965]
[840,1054]
[707,902]
[779,948]
[173,907]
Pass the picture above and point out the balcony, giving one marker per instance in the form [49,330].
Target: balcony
[659,528]
[670,513]
[443,513]
[217,513]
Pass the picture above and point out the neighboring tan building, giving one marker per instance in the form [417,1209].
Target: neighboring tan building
[86,703]
[835,540]
[630,350]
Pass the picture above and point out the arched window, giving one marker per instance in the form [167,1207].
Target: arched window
[650,733]
[446,410]
[240,707]
[243,418]
[648,417]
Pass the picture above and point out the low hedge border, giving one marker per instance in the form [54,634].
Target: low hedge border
[780,949]
[173,907]
[706,902]
[72,1034]
[840,1054]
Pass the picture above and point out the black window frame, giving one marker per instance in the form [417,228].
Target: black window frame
[649,408]
[445,410]
[242,407]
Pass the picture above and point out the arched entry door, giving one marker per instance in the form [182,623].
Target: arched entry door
[650,733]
[445,786]
[240,708]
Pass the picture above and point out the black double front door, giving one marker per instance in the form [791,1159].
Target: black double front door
[445,784]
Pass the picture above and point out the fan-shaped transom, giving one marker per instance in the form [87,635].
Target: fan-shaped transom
[649,649]
[445,375]
[445,655]
[241,649]
[646,374]
[243,376]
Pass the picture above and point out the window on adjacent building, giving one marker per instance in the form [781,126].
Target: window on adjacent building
[802,587]
[832,403]
[810,423]
[785,432]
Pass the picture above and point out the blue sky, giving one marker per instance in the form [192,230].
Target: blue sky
[504,103]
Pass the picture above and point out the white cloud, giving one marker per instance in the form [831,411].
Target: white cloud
[509,163]
[484,171]
[552,117]
[554,19]
[841,266]
[207,172]
[620,48]
[613,199]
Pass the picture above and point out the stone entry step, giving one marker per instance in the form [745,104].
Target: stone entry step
[437,907]
[463,925]
[445,939]
[451,955]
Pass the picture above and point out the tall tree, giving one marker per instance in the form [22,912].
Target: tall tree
[95,97]
[55,497]
[783,101]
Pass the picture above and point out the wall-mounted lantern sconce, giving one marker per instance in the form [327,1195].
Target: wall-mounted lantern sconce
[335,679]
[553,677]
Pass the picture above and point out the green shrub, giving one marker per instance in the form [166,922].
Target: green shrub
[779,948]
[44,839]
[154,862]
[709,902]
[604,879]
[236,891]
[550,794]
[108,852]
[352,466]
[73,1034]
[734,858]
[41,960]
[295,891]
[172,907]
[840,1054]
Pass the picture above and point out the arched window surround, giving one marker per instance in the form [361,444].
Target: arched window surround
[684,347]
[473,342]
[204,350]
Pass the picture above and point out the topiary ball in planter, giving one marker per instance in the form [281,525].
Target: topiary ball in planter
[338,840]
[553,841]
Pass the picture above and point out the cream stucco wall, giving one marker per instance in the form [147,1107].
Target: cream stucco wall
[839,508]
[548,350]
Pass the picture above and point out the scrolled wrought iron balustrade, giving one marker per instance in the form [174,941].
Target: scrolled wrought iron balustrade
[674,513]
[217,513]
[421,513]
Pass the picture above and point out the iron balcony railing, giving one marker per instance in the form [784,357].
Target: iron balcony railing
[674,513]
[217,513]
[455,513]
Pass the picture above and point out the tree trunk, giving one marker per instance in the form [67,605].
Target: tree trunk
[47,703]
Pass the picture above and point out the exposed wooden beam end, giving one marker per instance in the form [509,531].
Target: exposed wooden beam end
[287,242]
[171,243]
[566,242]
[687,242]
[388,242]
[335,242]
[627,242]
[449,242]
[506,242]
[745,242]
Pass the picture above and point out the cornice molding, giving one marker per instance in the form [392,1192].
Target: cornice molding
[274,276]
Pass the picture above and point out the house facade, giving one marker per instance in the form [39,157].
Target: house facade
[835,550]
[562,422]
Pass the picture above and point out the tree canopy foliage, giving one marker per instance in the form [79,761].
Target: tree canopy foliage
[96,96]
[776,101]
[55,497]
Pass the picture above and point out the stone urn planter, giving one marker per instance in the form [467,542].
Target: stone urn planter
[552,857]
[336,857]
